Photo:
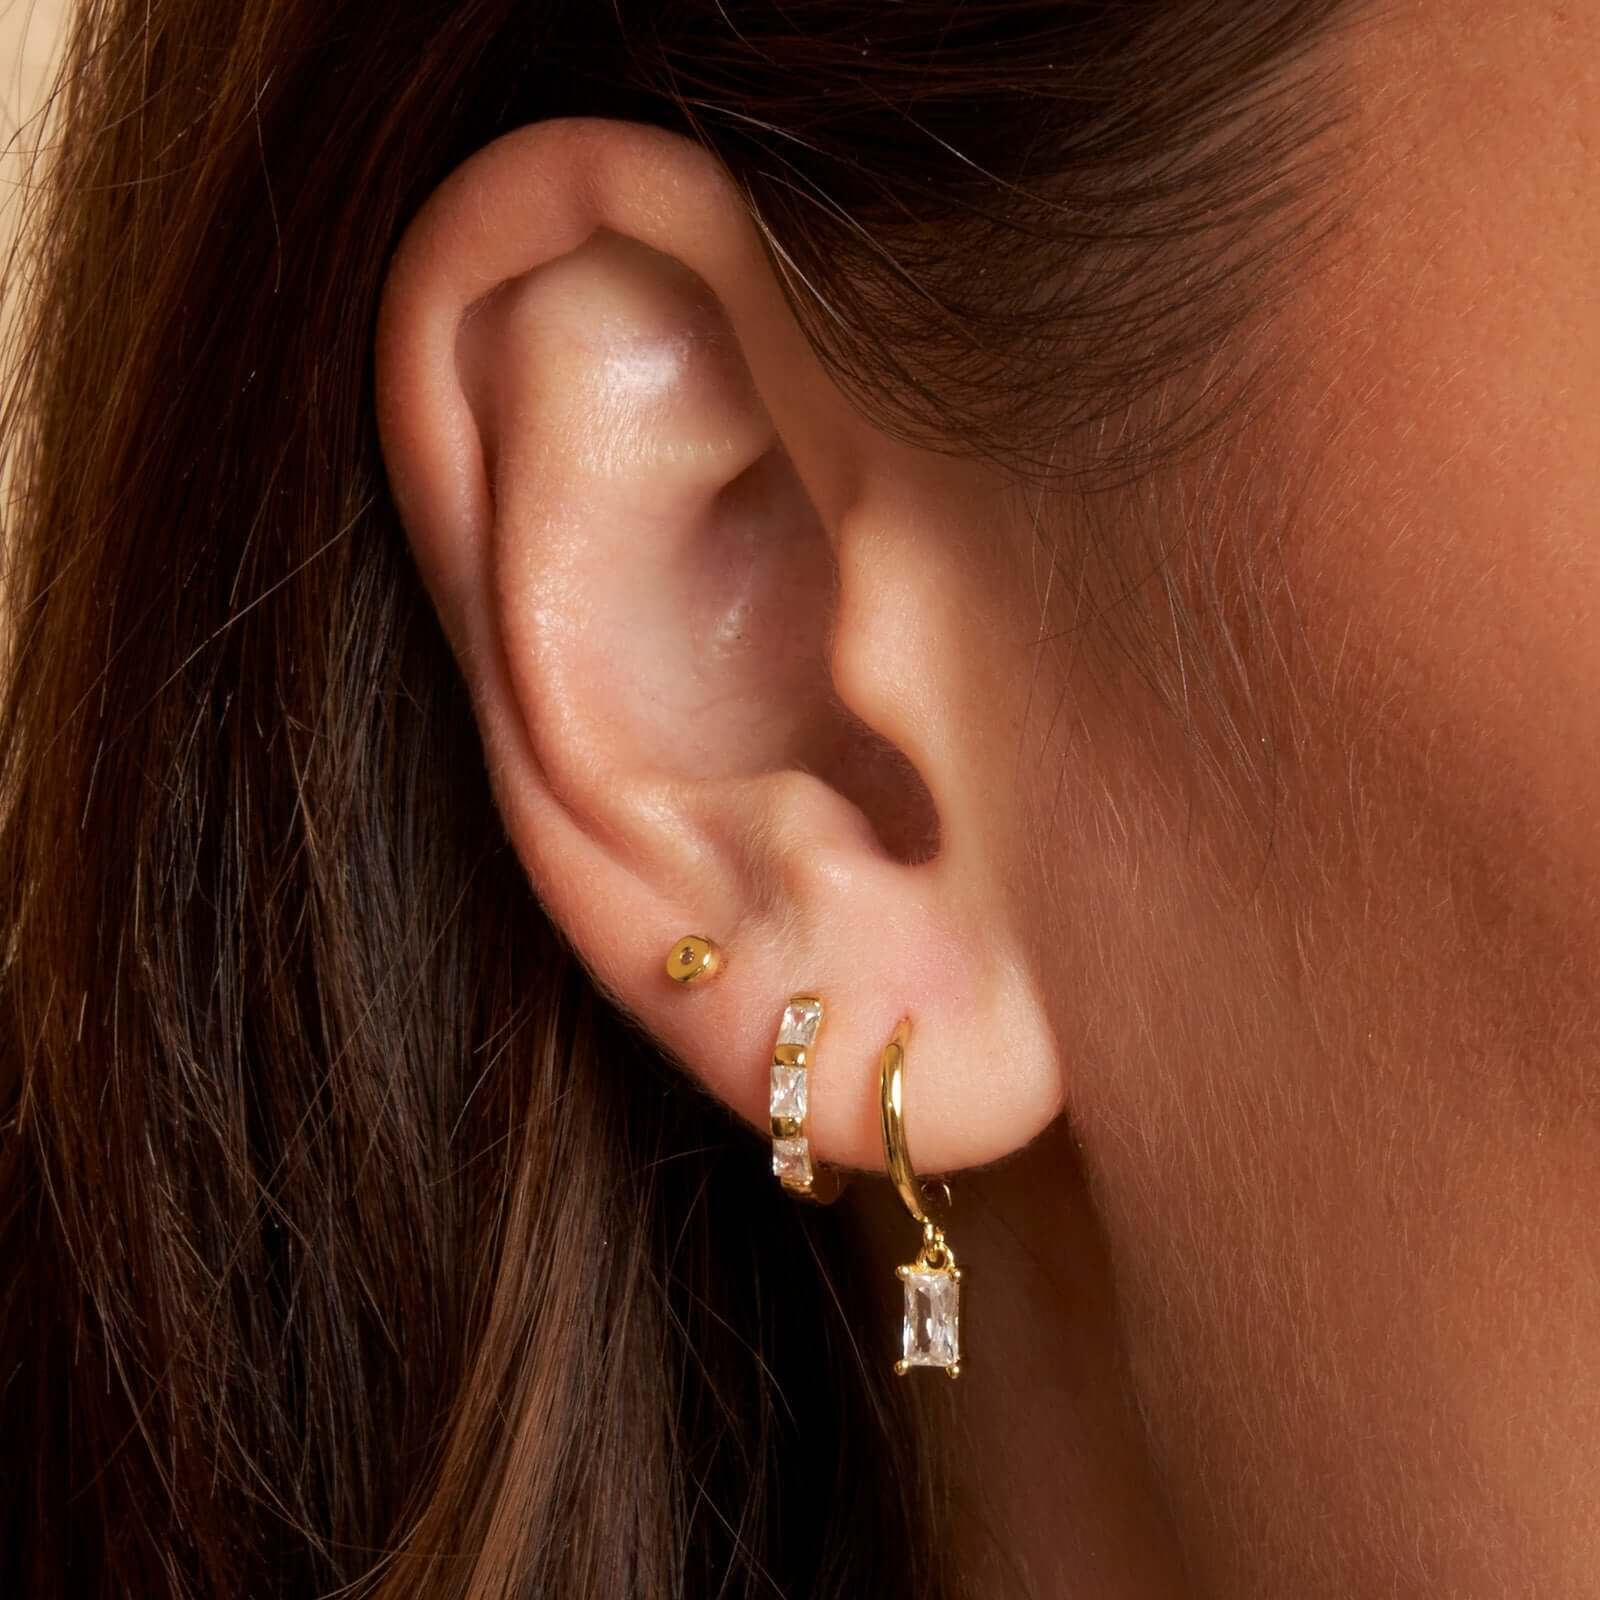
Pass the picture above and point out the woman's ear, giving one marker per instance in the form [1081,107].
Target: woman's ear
[715,634]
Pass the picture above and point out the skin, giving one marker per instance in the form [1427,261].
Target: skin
[1270,1122]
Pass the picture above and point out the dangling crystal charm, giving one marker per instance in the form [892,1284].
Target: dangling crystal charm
[931,1333]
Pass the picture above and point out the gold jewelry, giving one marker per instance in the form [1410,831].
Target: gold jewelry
[694,959]
[791,1061]
[931,1333]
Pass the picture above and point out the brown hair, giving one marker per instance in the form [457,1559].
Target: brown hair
[350,1241]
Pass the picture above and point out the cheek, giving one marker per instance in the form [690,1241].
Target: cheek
[1448,573]
[1351,1185]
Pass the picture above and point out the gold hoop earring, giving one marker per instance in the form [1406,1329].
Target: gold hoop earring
[931,1333]
[791,1063]
[694,959]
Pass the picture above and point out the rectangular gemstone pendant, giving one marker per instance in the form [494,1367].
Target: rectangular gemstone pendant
[931,1334]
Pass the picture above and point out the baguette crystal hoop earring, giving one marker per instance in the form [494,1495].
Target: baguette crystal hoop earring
[930,1335]
[791,1071]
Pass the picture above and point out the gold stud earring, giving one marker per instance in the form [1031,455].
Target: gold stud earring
[693,959]
[791,1062]
[931,1333]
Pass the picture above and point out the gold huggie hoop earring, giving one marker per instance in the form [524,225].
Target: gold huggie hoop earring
[694,959]
[791,1070]
[931,1334]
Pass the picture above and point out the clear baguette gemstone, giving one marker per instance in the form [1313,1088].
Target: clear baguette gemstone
[791,1160]
[800,1023]
[932,1333]
[788,1092]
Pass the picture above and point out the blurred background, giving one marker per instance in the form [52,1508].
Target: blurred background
[30,32]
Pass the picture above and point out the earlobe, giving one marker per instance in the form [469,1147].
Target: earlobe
[634,494]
